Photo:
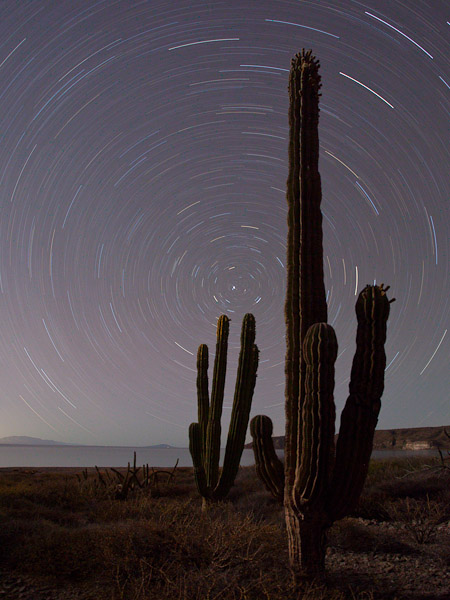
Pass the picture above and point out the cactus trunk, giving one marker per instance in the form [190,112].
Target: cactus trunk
[304,252]
[306,543]
[305,305]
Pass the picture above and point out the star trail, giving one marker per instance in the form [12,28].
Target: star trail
[143,162]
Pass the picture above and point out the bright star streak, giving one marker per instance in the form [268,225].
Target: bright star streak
[74,421]
[303,26]
[367,196]
[38,415]
[367,88]
[342,163]
[53,343]
[392,361]
[434,236]
[205,42]
[265,67]
[180,346]
[186,207]
[12,51]
[443,81]
[432,356]
[400,32]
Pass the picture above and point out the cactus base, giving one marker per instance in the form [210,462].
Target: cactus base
[307,544]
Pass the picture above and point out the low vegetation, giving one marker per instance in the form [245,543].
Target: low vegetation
[67,532]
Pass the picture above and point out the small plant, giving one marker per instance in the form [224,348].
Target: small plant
[116,484]
[420,518]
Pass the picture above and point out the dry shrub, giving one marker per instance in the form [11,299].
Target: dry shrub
[385,471]
[420,518]
[390,480]
[188,553]
[46,549]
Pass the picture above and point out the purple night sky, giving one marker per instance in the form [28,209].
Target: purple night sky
[143,163]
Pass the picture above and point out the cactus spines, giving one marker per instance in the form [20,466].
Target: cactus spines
[204,436]
[320,485]
[269,467]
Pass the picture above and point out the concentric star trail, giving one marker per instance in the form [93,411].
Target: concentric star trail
[143,162]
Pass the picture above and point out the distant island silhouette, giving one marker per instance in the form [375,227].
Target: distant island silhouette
[25,440]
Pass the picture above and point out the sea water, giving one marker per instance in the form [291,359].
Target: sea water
[120,456]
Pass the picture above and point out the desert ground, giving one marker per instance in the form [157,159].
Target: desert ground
[66,535]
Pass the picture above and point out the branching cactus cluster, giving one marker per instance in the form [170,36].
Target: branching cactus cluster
[204,436]
[319,482]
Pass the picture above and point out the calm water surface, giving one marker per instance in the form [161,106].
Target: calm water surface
[111,456]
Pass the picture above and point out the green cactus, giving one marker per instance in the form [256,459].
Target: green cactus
[320,484]
[204,436]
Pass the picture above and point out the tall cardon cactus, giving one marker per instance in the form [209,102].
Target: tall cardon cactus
[319,483]
[204,436]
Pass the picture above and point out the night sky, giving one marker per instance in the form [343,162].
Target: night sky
[143,166]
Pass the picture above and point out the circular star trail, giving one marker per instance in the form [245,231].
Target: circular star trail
[143,162]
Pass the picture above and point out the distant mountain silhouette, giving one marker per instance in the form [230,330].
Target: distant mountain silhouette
[25,440]
[409,438]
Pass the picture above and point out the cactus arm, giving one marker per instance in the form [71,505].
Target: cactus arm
[202,393]
[213,431]
[318,416]
[269,467]
[237,432]
[195,448]
[360,415]
[245,385]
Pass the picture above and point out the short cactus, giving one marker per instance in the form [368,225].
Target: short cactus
[268,466]
[320,485]
[204,436]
